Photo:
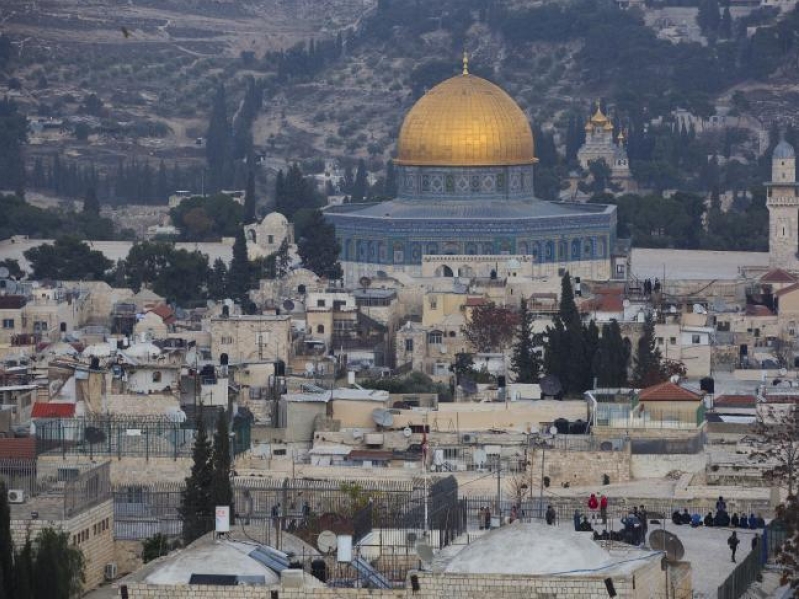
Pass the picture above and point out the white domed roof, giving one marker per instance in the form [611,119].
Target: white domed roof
[275,218]
[783,151]
[532,549]
[144,350]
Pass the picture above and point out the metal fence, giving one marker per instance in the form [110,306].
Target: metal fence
[116,436]
[748,571]
[533,507]
[20,474]
[682,445]
[87,490]
[304,507]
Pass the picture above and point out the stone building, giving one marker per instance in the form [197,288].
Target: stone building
[267,236]
[81,507]
[465,174]
[783,206]
[251,338]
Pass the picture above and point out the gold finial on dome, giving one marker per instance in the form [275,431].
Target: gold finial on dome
[465,63]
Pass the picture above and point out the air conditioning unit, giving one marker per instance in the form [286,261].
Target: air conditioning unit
[111,571]
[467,438]
[16,496]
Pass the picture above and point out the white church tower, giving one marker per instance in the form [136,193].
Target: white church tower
[783,208]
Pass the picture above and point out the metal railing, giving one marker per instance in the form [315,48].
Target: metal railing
[748,571]
[88,489]
[119,437]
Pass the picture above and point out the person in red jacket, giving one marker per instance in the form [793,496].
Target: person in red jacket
[593,504]
[603,509]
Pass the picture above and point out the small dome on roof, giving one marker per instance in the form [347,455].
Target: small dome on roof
[530,549]
[783,151]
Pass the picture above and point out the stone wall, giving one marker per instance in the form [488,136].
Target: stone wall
[581,468]
[91,531]
[658,466]
[134,470]
[128,556]
[646,582]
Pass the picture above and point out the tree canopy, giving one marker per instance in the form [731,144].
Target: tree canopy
[318,247]
[68,258]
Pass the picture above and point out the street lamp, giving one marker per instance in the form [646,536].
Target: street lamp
[537,440]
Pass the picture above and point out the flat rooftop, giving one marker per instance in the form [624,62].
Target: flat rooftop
[698,265]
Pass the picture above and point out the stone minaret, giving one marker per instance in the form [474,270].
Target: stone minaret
[783,207]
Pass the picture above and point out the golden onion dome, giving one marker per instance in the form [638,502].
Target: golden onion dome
[465,121]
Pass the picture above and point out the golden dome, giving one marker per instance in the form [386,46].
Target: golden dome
[465,121]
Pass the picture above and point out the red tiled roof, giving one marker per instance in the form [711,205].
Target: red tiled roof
[758,310]
[475,301]
[603,303]
[164,312]
[18,449]
[788,289]
[53,410]
[735,401]
[668,391]
[778,275]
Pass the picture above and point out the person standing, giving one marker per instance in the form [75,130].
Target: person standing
[551,515]
[593,506]
[603,509]
[481,517]
[576,519]
[733,542]
[487,517]
[755,541]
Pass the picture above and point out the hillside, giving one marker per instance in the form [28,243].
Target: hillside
[337,76]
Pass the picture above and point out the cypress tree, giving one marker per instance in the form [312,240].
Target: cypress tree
[6,546]
[525,361]
[91,205]
[391,180]
[221,488]
[217,283]
[23,571]
[218,143]
[359,187]
[647,364]
[238,281]
[249,198]
[196,508]
[319,248]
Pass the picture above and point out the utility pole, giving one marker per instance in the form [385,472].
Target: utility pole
[499,488]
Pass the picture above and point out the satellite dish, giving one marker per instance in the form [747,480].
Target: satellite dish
[553,430]
[327,541]
[4,272]
[382,417]
[672,309]
[626,303]
[669,543]
[534,430]
[425,553]
[288,305]
[357,434]
[365,281]
[550,385]
[407,432]
[675,378]
[479,456]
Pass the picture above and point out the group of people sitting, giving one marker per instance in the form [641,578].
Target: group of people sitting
[720,519]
